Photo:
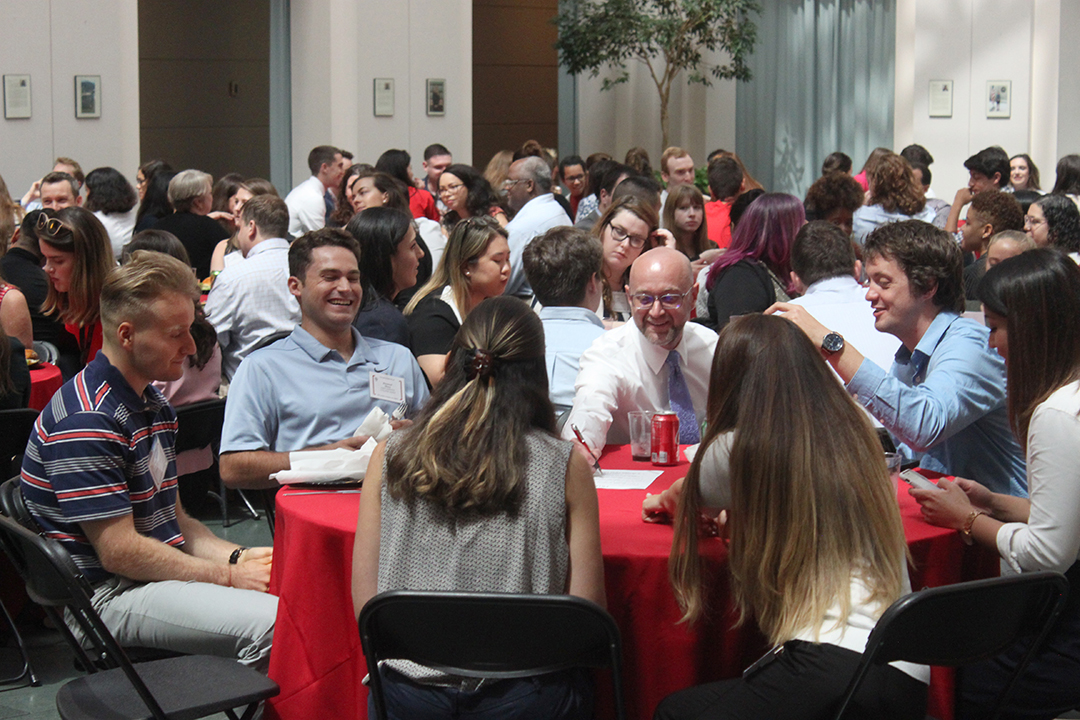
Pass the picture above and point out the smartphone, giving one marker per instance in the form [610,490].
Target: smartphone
[914,479]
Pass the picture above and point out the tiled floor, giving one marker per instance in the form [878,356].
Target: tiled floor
[52,658]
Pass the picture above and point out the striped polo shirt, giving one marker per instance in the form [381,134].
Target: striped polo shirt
[101,451]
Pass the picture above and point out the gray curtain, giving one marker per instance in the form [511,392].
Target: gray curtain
[823,81]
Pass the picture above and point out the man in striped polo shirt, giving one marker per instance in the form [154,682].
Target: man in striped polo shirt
[100,477]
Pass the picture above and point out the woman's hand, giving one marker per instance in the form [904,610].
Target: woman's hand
[979,495]
[947,507]
[660,508]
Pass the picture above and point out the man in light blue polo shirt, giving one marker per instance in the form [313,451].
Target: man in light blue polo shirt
[563,267]
[311,390]
[944,398]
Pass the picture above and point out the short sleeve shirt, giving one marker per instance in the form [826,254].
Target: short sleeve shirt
[99,450]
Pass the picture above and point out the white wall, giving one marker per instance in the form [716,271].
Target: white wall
[409,41]
[969,42]
[52,41]
[613,121]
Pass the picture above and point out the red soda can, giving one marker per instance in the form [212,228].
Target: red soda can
[665,439]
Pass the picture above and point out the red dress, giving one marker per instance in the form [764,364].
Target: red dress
[89,338]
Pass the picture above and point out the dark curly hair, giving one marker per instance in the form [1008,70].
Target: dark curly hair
[1062,221]
[108,191]
[830,192]
[1000,209]
[928,256]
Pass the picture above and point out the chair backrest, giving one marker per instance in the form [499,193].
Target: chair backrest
[15,428]
[53,580]
[13,505]
[965,623]
[199,424]
[493,635]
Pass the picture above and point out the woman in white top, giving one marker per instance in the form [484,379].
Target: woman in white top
[816,546]
[1032,307]
[113,201]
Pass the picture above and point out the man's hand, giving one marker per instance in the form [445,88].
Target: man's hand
[804,320]
[32,194]
[252,570]
[400,424]
[963,197]
[663,237]
[349,443]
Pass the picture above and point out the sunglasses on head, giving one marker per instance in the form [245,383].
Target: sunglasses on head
[51,226]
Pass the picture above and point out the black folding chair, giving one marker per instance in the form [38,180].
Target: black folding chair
[190,686]
[965,623]
[198,425]
[15,427]
[10,497]
[489,635]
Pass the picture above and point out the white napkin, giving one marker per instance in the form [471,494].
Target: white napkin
[690,451]
[328,466]
[375,425]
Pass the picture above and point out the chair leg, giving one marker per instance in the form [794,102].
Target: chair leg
[27,669]
[247,503]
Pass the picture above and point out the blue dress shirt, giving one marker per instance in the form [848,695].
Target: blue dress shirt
[297,393]
[568,332]
[945,402]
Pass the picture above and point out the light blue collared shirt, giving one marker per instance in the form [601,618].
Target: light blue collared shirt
[297,393]
[568,332]
[946,403]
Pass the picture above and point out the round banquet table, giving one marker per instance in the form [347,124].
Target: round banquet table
[317,659]
[45,379]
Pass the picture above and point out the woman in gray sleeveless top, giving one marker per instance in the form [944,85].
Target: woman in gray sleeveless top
[480,495]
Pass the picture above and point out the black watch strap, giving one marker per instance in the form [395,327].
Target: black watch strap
[235,557]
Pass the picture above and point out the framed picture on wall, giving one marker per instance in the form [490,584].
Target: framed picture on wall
[999,98]
[384,97]
[16,96]
[940,98]
[87,96]
[436,96]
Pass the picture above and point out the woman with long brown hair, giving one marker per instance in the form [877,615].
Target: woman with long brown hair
[514,509]
[684,216]
[816,547]
[77,256]
[894,196]
[1032,307]
[625,231]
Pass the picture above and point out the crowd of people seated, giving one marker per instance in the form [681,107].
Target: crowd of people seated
[507,321]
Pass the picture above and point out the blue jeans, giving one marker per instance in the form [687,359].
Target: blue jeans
[567,695]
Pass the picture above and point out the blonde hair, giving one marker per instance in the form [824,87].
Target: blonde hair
[812,505]
[494,393]
[131,288]
[468,241]
[86,239]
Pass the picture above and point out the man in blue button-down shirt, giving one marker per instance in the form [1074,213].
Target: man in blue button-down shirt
[944,398]
[313,389]
[563,267]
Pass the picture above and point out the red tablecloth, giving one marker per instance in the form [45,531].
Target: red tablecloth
[45,379]
[317,659]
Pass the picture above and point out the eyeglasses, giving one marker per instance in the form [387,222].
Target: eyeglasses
[1033,221]
[621,235]
[447,189]
[668,301]
[508,183]
[51,226]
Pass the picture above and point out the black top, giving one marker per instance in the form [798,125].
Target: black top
[199,234]
[20,375]
[973,275]
[382,320]
[22,269]
[433,326]
[743,288]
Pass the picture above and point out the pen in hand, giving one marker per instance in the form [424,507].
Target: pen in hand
[596,463]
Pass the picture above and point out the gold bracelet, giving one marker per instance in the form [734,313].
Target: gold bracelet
[966,530]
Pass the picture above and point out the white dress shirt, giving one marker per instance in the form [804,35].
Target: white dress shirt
[307,207]
[622,371]
[250,301]
[840,304]
[535,218]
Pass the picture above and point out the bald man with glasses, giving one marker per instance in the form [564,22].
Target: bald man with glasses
[659,363]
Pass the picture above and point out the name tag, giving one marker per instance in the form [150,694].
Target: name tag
[158,464]
[387,387]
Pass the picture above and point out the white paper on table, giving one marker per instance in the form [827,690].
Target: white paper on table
[626,479]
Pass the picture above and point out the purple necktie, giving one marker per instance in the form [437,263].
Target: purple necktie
[679,399]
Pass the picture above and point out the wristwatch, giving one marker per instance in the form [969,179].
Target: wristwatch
[832,343]
[235,556]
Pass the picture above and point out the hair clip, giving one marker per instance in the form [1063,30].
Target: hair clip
[481,363]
